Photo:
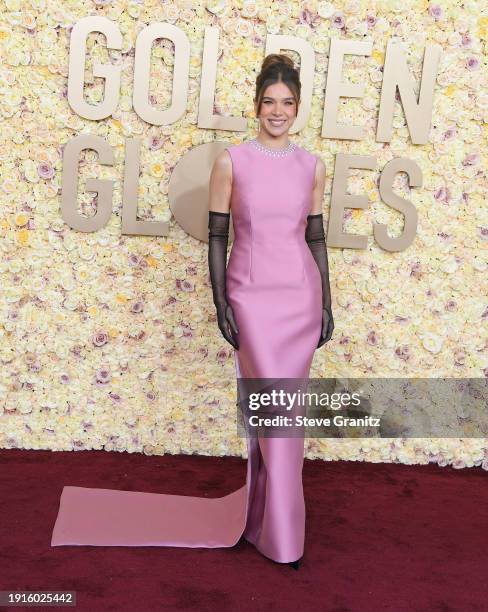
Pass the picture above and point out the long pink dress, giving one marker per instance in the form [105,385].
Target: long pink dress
[274,288]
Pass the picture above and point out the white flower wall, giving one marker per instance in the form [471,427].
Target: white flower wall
[110,341]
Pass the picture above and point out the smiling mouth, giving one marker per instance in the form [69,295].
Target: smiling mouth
[276,121]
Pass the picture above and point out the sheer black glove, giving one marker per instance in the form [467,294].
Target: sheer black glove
[315,237]
[218,237]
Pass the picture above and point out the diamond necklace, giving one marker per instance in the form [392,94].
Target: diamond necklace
[274,152]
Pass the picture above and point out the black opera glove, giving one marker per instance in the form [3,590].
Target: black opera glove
[218,237]
[315,237]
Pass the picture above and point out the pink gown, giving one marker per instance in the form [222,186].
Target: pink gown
[274,288]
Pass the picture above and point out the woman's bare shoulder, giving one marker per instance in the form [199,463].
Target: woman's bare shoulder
[223,162]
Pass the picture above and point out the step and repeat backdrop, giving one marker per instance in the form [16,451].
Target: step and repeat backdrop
[112,114]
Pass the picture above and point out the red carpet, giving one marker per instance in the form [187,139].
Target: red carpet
[379,537]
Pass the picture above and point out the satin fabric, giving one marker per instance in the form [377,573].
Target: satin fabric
[274,288]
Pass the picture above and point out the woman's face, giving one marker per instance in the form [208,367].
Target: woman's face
[278,109]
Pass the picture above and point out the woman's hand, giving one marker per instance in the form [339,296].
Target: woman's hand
[226,323]
[327,326]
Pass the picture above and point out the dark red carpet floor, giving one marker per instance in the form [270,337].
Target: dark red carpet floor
[379,537]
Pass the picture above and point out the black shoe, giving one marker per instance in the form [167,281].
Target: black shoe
[295,564]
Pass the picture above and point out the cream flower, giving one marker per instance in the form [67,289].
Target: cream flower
[431,342]
[325,9]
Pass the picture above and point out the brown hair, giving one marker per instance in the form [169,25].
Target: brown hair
[277,67]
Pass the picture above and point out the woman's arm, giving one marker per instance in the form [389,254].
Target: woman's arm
[318,188]
[220,184]
[220,189]
[315,237]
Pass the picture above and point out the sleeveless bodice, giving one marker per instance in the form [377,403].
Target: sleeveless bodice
[271,198]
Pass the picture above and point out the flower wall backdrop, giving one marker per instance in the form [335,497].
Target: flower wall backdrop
[110,341]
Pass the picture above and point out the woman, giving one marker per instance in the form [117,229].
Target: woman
[273,306]
[273,301]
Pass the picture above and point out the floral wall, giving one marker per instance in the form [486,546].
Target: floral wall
[109,341]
